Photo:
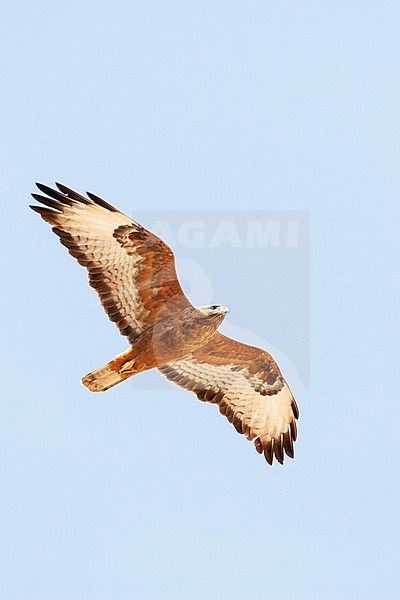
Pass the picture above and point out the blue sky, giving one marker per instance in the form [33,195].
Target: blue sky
[164,106]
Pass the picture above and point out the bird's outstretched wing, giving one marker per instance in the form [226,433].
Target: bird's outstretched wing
[246,384]
[131,269]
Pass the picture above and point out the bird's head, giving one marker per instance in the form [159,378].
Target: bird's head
[213,310]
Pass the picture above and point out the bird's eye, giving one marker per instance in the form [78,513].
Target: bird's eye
[214,307]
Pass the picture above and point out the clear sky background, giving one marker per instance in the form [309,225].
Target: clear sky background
[167,105]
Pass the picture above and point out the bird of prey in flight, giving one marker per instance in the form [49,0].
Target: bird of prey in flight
[133,273]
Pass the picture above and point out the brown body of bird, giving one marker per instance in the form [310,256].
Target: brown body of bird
[167,341]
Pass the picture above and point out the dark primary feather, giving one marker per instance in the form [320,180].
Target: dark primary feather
[53,194]
[101,202]
[72,194]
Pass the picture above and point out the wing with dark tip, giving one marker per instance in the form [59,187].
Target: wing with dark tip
[131,269]
[246,384]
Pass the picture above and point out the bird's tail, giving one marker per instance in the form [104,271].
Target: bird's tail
[117,370]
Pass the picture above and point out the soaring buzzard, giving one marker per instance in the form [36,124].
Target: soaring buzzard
[133,272]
